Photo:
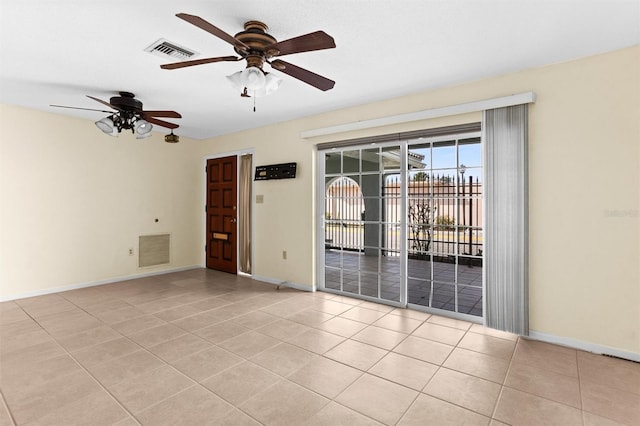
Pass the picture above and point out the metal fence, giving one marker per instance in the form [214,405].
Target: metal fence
[444,216]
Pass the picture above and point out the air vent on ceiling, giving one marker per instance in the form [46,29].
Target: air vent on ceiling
[166,48]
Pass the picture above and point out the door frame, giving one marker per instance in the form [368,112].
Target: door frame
[203,228]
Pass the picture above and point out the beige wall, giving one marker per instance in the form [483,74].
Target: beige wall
[74,200]
[584,242]
[284,221]
[584,233]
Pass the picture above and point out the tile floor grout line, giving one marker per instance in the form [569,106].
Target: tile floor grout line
[164,363]
[82,367]
[283,379]
[131,414]
[355,409]
[536,395]
[526,339]
[504,381]
[194,382]
[580,386]
[456,404]
[419,392]
[9,412]
[441,366]
[280,379]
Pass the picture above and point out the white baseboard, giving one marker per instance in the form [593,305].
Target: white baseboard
[585,346]
[289,284]
[95,283]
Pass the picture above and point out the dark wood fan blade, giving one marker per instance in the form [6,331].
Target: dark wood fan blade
[161,123]
[85,109]
[104,103]
[212,29]
[170,114]
[301,74]
[198,62]
[304,43]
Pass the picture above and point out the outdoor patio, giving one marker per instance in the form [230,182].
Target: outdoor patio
[360,276]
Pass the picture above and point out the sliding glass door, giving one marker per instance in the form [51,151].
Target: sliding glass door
[402,223]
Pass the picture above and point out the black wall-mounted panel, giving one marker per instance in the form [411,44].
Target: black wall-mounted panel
[276,171]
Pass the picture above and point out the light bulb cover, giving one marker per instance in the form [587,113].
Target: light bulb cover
[272,83]
[143,135]
[143,127]
[253,78]
[235,81]
[107,126]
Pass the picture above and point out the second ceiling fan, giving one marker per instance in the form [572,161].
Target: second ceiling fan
[257,47]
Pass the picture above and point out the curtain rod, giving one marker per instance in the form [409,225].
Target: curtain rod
[518,99]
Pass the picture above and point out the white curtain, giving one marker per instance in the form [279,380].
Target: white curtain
[506,231]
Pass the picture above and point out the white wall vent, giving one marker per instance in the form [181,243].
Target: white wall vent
[165,48]
[154,250]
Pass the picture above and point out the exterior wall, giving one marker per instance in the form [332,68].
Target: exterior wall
[464,214]
[345,201]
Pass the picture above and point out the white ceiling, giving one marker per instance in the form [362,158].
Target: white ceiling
[58,51]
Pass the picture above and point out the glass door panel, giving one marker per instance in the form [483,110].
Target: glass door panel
[444,223]
[358,213]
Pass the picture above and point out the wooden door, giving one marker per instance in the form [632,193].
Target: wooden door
[222,192]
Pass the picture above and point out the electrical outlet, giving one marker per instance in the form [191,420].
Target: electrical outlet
[130,251]
[284,255]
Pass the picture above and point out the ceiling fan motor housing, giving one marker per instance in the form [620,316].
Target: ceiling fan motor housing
[256,37]
[126,101]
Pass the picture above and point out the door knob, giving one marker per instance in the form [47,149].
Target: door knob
[233,220]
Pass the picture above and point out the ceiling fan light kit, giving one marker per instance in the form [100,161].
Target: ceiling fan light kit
[129,115]
[240,81]
[115,123]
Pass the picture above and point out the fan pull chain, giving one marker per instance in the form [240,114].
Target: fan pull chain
[254,101]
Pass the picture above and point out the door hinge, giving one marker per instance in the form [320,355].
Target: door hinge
[205,208]
[205,248]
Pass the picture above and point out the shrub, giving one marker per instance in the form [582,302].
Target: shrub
[442,222]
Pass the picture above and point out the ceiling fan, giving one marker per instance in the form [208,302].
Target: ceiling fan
[129,115]
[257,47]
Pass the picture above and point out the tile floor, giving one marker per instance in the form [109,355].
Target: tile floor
[200,347]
